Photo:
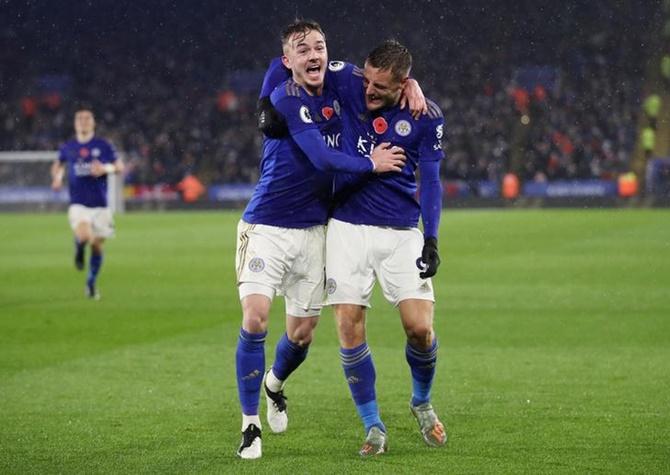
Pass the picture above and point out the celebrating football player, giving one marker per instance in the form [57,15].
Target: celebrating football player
[88,160]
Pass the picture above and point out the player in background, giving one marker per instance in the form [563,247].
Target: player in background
[381,215]
[88,160]
[281,236]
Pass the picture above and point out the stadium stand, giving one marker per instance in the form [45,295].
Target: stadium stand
[557,97]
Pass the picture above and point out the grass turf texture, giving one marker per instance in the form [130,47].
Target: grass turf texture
[555,352]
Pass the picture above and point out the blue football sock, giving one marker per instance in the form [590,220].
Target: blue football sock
[250,362]
[288,356]
[94,267]
[360,373]
[422,364]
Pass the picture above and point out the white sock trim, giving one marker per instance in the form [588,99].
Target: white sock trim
[254,419]
[273,383]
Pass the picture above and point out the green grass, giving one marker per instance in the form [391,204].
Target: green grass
[555,352]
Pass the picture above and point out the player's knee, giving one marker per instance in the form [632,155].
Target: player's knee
[420,336]
[84,237]
[301,339]
[302,335]
[254,324]
[254,320]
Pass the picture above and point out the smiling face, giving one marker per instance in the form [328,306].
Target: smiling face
[382,87]
[306,55]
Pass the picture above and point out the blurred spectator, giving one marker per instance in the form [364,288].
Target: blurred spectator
[183,90]
[191,188]
[648,141]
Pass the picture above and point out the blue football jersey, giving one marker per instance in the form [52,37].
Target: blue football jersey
[388,199]
[292,191]
[85,189]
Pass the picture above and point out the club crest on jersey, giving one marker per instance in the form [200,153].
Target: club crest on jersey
[336,66]
[256,264]
[380,125]
[439,131]
[331,286]
[95,152]
[403,128]
[336,106]
[327,112]
[305,116]
[83,152]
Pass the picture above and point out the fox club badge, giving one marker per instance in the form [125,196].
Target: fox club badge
[256,264]
[403,128]
[336,106]
[331,286]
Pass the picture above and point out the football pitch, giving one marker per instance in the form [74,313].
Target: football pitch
[554,330]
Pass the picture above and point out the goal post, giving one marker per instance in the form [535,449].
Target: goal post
[25,182]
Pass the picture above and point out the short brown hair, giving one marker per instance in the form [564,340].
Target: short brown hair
[391,55]
[300,26]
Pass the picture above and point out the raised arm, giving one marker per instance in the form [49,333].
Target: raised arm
[268,120]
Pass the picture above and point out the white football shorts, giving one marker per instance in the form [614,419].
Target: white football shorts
[100,219]
[272,260]
[356,254]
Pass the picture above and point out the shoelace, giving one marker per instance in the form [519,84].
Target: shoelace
[278,398]
[249,435]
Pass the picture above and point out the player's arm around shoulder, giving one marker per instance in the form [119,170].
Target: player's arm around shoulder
[342,76]
[295,109]
[288,101]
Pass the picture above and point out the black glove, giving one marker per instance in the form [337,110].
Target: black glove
[270,122]
[429,260]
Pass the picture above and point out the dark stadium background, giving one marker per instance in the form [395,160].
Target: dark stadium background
[174,86]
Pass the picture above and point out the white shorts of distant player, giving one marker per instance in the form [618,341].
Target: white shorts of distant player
[272,260]
[100,219]
[356,254]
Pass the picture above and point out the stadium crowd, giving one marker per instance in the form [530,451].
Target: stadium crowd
[555,97]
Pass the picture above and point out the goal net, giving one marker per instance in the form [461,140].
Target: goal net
[25,183]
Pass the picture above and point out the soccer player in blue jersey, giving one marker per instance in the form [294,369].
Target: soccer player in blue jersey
[281,236]
[381,215]
[88,160]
